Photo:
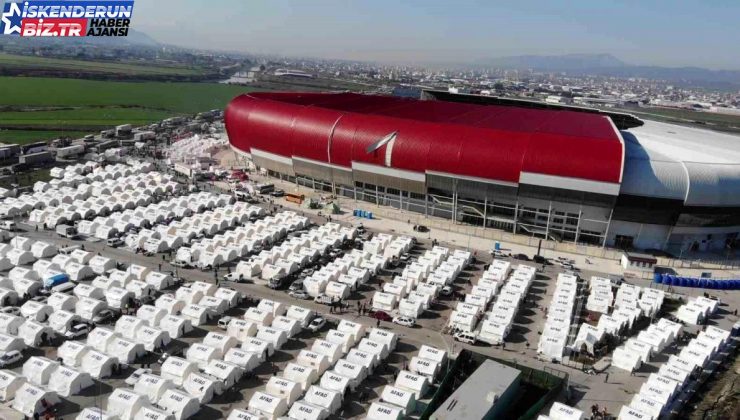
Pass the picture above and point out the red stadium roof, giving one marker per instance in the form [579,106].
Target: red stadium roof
[494,142]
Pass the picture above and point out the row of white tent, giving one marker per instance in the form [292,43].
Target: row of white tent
[58,191]
[559,316]
[632,302]
[204,220]
[697,310]
[640,349]
[428,362]
[339,363]
[497,322]
[661,389]
[560,411]
[196,146]
[70,170]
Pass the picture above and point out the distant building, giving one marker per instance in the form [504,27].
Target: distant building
[292,73]
[487,394]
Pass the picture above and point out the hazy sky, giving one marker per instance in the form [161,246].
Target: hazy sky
[704,33]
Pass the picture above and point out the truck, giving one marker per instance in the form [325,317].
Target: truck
[67,231]
[278,282]
[183,169]
[56,280]
[69,151]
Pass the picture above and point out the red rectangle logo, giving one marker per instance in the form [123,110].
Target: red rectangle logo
[54,27]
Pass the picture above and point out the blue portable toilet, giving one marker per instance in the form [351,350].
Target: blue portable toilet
[497,246]
[56,280]
[354,212]
[703,283]
[713,284]
[369,215]
[668,280]
[657,277]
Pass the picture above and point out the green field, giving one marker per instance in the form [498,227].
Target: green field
[87,106]
[143,69]
[30,136]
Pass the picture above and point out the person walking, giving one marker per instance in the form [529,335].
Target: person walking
[377,322]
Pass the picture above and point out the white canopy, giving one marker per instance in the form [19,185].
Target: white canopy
[100,338]
[152,386]
[300,314]
[367,359]
[289,325]
[274,336]
[227,373]
[241,329]
[262,348]
[197,314]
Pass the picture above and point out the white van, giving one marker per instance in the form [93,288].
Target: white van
[64,287]
[8,225]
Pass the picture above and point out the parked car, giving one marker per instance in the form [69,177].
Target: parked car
[134,378]
[115,242]
[382,315]
[405,321]
[146,300]
[237,278]
[77,331]
[277,193]
[522,257]
[299,294]
[296,286]
[317,324]
[465,337]
[324,299]
[223,323]
[106,316]
[10,358]
[12,310]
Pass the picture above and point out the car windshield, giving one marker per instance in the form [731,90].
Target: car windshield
[317,321]
[7,356]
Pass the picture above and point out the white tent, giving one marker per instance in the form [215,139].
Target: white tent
[87,308]
[410,307]
[246,360]
[415,383]
[36,311]
[27,287]
[272,407]
[188,295]
[175,326]
[379,411]
[152,386]
[314,360]
[327,399]
[10,382]
[139,288]
[274,336]
[197,314]
[354,371]
[388,338]
[332,351]
[258,316]
[8,297]
[177,369]
[100,265]
[95,413]
[118,297]
[369,346]
[462,321]
[399,397]
[334,382]
[344,340]
[384,301]
[98,365]
[159,281]
[172,305]
[151,315]
[66,381]
[34,333]
[127,326]
[202,354]
[301,374]
[153,339]
[300,314]
[276,308]
[61,321]
[179,404]
[126,351]
[262,348]
[62,302]
[647,405]
[223,342]
[366,359]
[214,305]
[241,329]
[28,399]
[200,386]
[231,296]
[71,353]
[8,343]
[227,373]
[560,411]
[625,358]
[336,290]
[89,291]
[302,410]
[283,388]
[38,370]
[42,249]
[425,367]
[289,325]
[9,323]
[100,338]
[237,414]
[149,413]
[629,413]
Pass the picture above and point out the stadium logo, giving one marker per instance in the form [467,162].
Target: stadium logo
[55,18]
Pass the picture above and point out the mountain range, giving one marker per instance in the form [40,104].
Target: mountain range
[609,65]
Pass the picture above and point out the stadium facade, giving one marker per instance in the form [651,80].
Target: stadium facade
[566,174]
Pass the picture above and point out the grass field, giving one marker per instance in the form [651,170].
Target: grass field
[36,63]
[30,136]
[95,105]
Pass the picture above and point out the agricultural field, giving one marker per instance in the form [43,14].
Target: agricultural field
[28,136]
[23,62]
[81,106]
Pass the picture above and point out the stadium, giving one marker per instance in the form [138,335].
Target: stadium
[562,173]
